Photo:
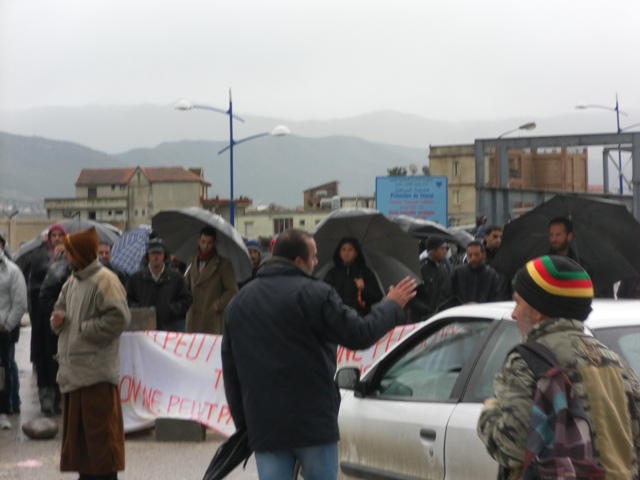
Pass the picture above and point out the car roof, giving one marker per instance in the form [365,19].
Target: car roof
[605,313]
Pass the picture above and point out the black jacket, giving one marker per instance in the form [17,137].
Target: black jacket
[58,273]
[429,294]
[342,278]
[279,355]
[170,295]
[480,285]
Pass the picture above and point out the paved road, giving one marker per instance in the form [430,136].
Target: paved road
[22,458]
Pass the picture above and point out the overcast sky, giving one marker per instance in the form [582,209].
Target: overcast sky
[302,59]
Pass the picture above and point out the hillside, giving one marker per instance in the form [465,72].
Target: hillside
[268,170]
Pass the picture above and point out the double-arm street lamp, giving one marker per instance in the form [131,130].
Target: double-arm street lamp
[584,106]
[279,131]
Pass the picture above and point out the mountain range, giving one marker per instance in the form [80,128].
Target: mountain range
[44,149]
[270,170]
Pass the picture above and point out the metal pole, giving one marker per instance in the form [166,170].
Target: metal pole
[232,208]
[619,151]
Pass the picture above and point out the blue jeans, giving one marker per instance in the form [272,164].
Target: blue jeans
[14,400]
[318,463]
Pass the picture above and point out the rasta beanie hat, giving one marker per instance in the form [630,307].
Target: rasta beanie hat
[82,246]
[556,286]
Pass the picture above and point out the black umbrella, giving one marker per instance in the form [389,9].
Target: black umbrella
[390,252]
[423,229]
[606,238]
[229,455]
[180,229]
[107,233]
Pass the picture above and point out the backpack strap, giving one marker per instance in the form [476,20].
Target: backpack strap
[537,356]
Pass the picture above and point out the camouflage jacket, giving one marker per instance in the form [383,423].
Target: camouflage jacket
[607,386]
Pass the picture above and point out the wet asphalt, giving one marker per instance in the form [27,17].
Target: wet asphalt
[22,458]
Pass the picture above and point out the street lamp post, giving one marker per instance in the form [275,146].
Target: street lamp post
[526,126]
[503,169]
[279,131]
[584,106]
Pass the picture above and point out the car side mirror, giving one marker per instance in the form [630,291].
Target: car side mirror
[348,378]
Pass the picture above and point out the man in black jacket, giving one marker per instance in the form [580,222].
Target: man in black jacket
[279,358]
[160,286]
[434,276]
[474,282]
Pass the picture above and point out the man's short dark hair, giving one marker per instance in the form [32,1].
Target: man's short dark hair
[208,232]
[105,243]
[475,243]
[291,244]
[568,224]
[491,228]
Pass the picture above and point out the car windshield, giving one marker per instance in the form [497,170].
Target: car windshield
[625,341]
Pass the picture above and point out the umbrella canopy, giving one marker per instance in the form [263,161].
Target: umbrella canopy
[605,238]
[229,455]
[422,229]
[389,251]
[180,229]
[107,233]
[128,251]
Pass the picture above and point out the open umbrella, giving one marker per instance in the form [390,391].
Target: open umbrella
[128,251]
[106,233]
[229,455]
[389,251]
[180,229]
[605,238]
[423,229]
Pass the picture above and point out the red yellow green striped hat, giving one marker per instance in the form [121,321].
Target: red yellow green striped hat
[555,286]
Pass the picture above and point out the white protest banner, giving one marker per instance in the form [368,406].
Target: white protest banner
[172,375]
[179,375]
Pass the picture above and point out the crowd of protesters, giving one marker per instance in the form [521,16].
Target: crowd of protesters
[202,295]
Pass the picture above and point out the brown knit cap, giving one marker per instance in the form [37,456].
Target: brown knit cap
[82,246]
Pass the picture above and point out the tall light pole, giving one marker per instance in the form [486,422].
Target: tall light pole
[503,168]
[526,126]
[278,131]
[584,106]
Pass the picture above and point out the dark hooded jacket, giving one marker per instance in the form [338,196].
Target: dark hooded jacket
[342,278]
[477,285]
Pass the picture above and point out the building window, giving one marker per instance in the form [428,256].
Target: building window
[109,212]
[301,222]
[144,212]
[119,212]
[281,224]
[92,192]
[456,169]
[455,196]
[92,215]
[113,187]
[135,212]
[248,229]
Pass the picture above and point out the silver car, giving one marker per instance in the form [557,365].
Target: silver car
[414,414]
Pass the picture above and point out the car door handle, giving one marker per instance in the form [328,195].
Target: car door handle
[428,434]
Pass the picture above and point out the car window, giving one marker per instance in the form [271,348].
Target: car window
[625,341]
[430,369]
[504,339]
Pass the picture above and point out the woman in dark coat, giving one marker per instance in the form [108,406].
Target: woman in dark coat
[356,284]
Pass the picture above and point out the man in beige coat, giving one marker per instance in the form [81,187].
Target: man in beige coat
[212,283]
[90,315]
